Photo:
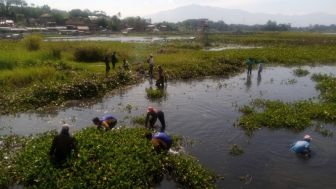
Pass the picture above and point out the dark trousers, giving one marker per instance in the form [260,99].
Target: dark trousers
[160,116]
[107,67]
[151,67]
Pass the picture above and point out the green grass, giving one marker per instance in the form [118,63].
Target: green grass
[122,158]
[295,116]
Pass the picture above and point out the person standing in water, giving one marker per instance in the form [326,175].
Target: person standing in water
[260,68]
[249,63]
[152,116]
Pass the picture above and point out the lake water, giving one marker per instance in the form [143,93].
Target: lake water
[129,39]
[232,46]
[205,111]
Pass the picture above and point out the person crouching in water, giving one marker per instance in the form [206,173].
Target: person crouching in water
[160,141]
[152,116]
[62,146]
[302,147]
[107,122]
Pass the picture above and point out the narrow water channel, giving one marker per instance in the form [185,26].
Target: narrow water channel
[205,111]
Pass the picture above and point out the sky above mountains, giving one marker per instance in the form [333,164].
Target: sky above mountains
[146,7]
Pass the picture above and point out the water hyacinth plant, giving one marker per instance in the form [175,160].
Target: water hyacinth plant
[299,72]
[155,93]
[297,115]
[236,150]
[121,158]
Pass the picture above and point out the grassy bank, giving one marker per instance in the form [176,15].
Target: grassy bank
[53,72]
[122,158]
[296,116]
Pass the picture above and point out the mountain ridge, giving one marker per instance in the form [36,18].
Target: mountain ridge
[237,16]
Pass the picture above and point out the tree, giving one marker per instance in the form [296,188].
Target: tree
[75,13]
[115,23]
[7,5]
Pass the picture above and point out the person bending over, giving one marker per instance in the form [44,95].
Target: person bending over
[107,122]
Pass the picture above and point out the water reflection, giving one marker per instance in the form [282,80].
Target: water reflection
[259,79]
[248,82]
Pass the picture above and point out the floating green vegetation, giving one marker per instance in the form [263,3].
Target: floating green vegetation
[54,93]
[139,120]
[122,158]
[296,116]
[289,82]
[323,131]
[155,93]
[236,150]
[299,72]
[326,84]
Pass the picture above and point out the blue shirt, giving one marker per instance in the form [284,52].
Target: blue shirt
[107,117]
[300,146]
[164,137]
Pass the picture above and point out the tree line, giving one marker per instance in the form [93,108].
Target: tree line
[26,15]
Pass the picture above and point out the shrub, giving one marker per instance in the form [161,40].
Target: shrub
[56,53]
[89,54]
[33,42]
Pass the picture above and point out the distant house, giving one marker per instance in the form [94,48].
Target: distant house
[83,28]
[6,23]
[125,31]
[152,28]
[46,20]
[76,22]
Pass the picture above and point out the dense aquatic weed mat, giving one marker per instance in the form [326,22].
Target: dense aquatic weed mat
[121,158]
[297,115]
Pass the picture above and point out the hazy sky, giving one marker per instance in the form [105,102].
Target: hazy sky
[145,7]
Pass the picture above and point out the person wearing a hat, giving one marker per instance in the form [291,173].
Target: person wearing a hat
[152,116]
[302,146]
[107,122]
[62,146]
